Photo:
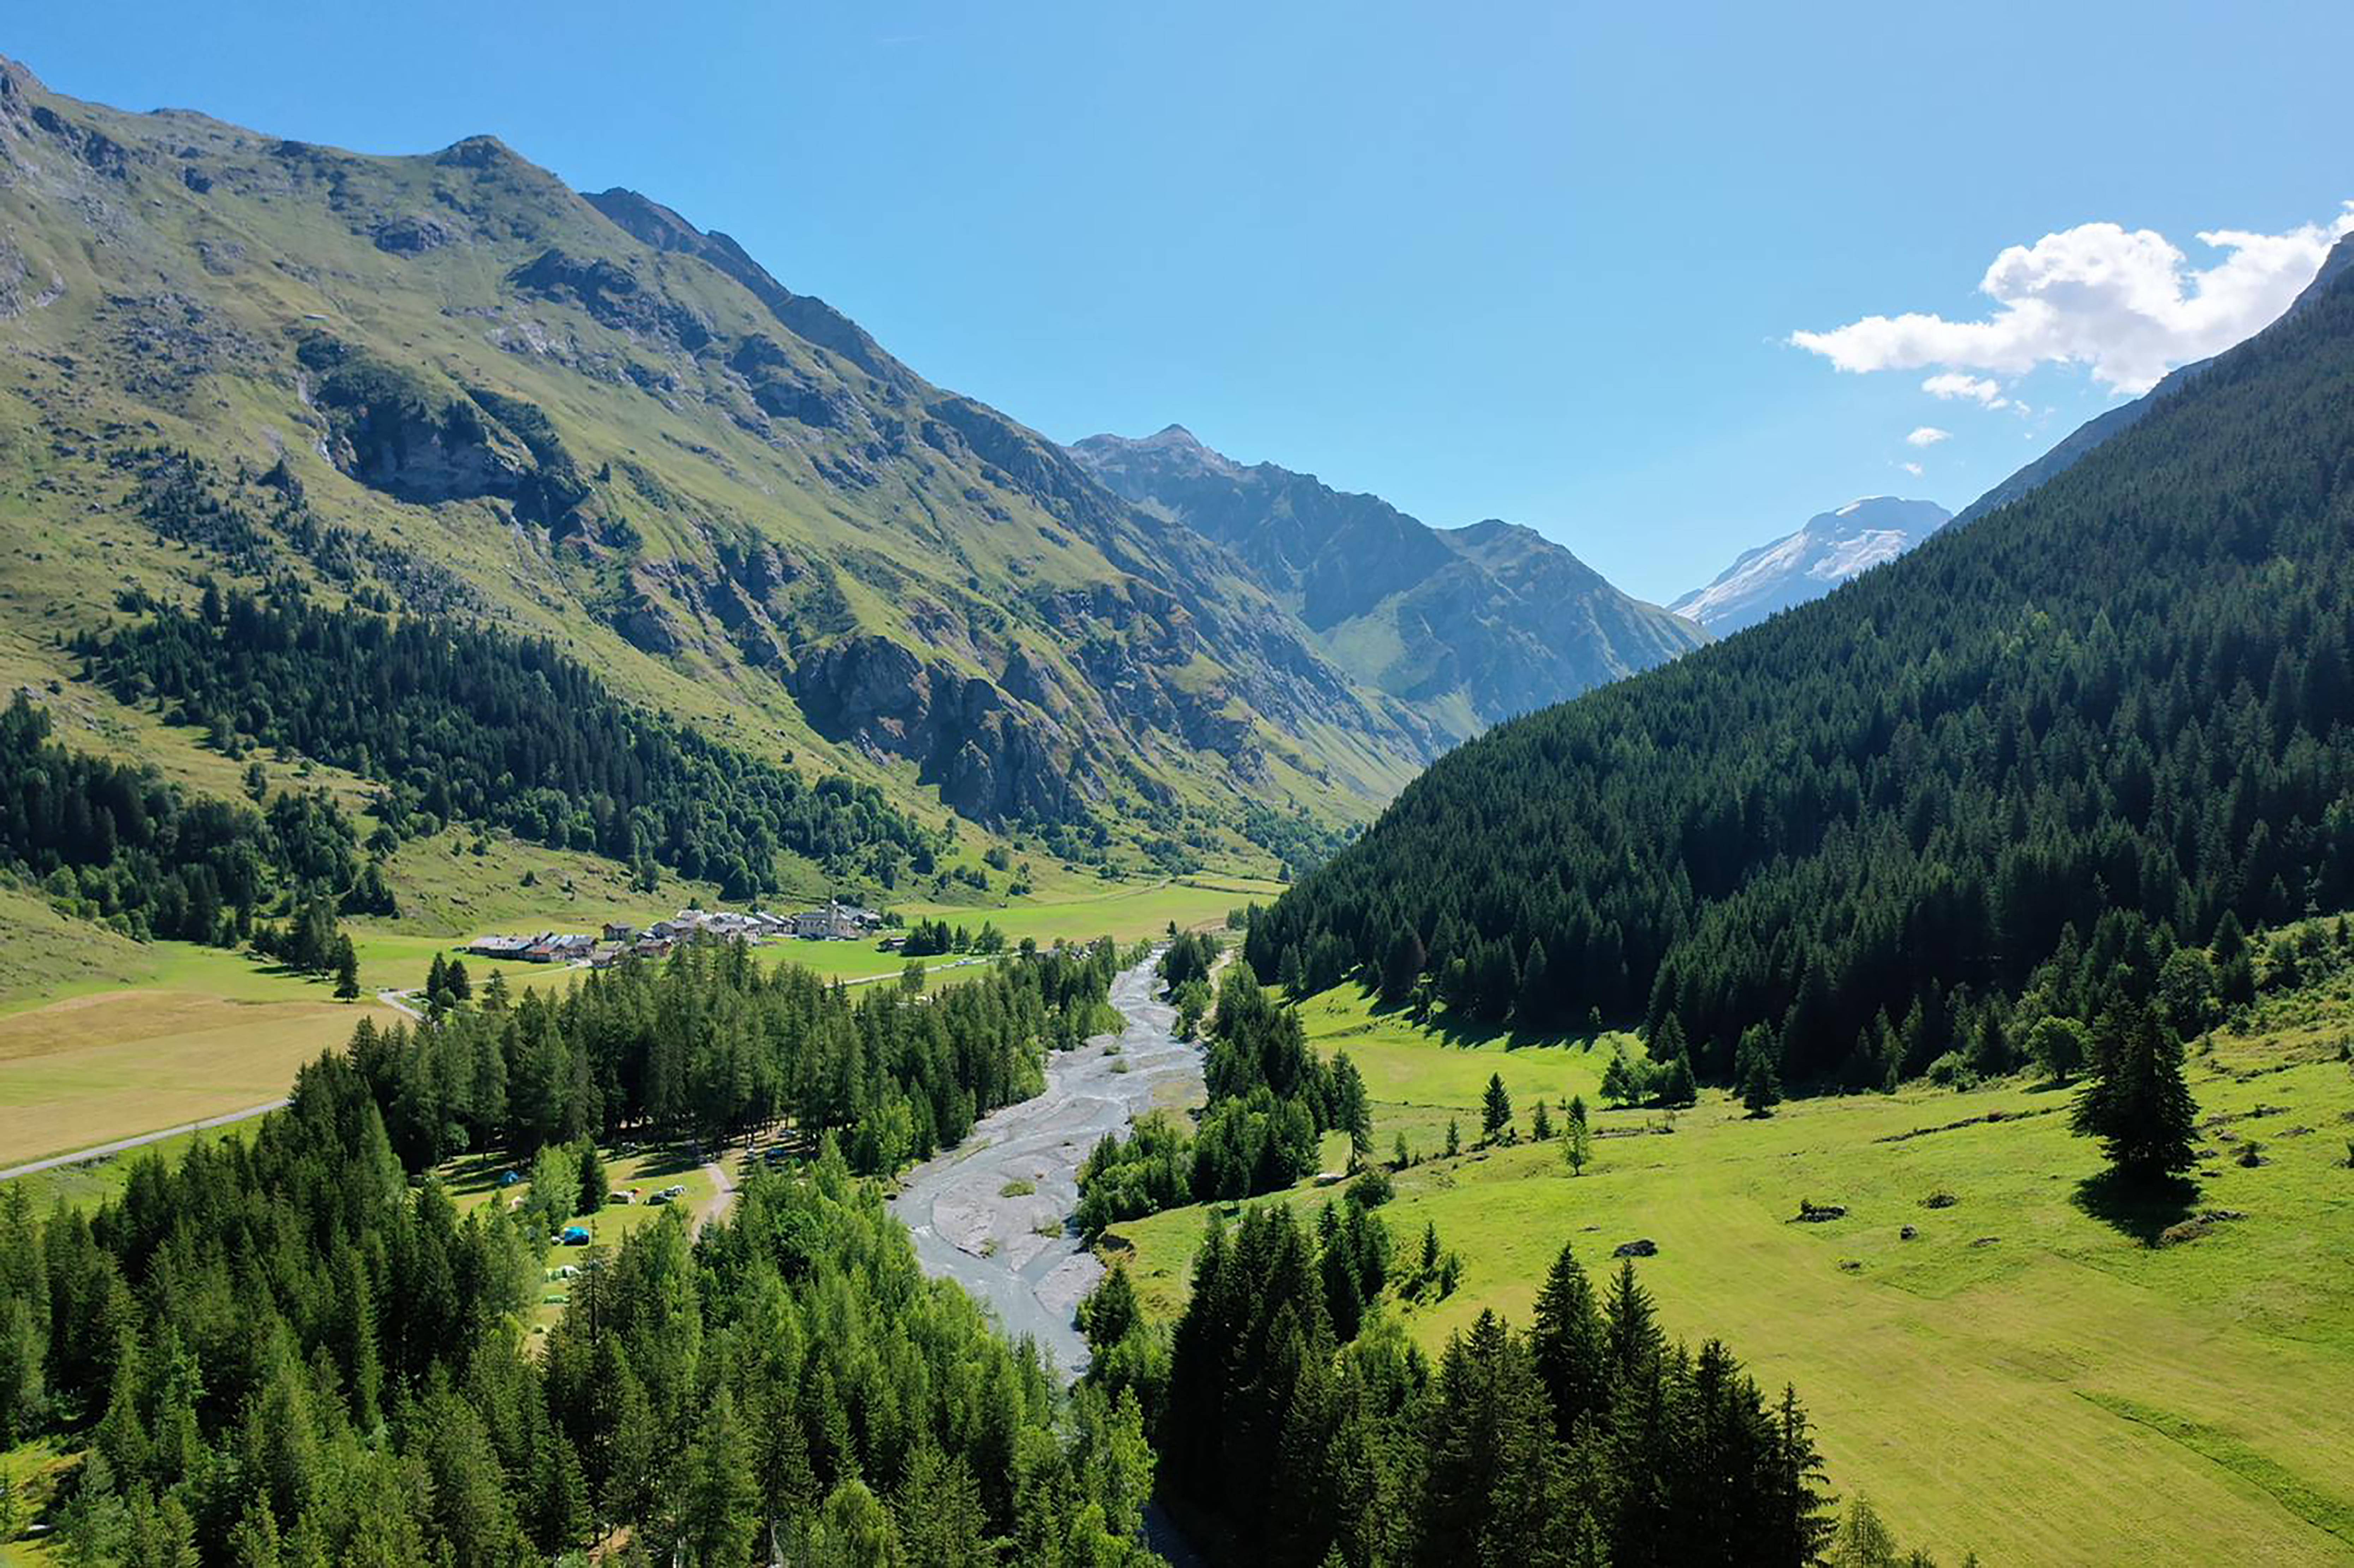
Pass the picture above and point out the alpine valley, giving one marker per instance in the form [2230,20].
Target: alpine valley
[631,935]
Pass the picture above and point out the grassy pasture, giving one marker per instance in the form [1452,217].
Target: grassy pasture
[2027,1377]
[206,1034]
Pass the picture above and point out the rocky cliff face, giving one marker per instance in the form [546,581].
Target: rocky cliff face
[619,431]
[1467,625]
[992,755]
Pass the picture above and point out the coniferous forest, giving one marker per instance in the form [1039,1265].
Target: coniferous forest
[711,1044]
[116,842]
[1295,1430]
[461,721]
[281,1353]
[2127,695]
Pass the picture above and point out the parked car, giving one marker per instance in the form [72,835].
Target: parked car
[575,1236]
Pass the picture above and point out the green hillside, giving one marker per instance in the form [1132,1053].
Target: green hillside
[446,385]
[1968,791]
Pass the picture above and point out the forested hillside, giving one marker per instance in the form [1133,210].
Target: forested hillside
[281,1351]
[2126,694]
[462,722]
[111,842]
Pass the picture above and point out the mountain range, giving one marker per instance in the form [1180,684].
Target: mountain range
[587,419]
[1470,626]
[583,417]
[1831,547]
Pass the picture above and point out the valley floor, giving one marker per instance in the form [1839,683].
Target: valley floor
[2026,1376]
[104,1039]
[993,1214]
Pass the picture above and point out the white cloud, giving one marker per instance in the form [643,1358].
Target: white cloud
[1912,468]
[1928,436]
[2124,303]
[1952,385]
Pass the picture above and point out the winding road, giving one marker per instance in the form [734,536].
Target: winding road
[1014,1250]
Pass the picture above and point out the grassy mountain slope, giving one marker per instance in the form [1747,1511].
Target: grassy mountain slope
[1471,625]
[2120,704]
[590,421]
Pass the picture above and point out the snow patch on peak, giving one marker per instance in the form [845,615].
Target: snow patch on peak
[1832,548]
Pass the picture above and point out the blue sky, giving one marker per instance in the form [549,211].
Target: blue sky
[1537,262]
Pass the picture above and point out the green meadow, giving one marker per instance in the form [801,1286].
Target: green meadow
[2031,1374]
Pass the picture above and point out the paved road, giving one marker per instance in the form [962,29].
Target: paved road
[965,1226]
[396,1000]
[124,1145]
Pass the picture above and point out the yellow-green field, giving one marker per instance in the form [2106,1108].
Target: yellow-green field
[206,1033]
[2026,1377]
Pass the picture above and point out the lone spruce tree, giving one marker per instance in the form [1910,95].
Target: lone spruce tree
[1577,1144]
[1495,1110]
[2133,1099]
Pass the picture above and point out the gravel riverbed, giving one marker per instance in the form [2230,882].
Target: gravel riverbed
[1013,1250]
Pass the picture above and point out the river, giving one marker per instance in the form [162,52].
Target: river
[1015,1251]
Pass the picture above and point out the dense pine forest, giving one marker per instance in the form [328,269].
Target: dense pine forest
[466,723]
[711,1044]
[1865,825]
[1271,1097]
[281,1353]
[1294,1433]
[119,844]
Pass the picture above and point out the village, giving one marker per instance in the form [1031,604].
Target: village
[833,921]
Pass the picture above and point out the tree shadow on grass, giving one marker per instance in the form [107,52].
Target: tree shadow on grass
[2140,1209]
[1454,1029]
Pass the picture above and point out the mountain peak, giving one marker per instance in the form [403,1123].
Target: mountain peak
[1472,624]
[1173,448]
[1829,548]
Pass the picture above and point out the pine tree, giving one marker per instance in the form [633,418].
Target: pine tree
[1401,966]
[1680,1087]
[1495,1110]
[595,1187]
[1577,1146]
[1567,1343]
[347,970]
[1534,1012]
[1352,1113]
[1541,1125]
[1618,1082]
[1761,1081]
[2135,1100]
[719,1505]
[1454,1140]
